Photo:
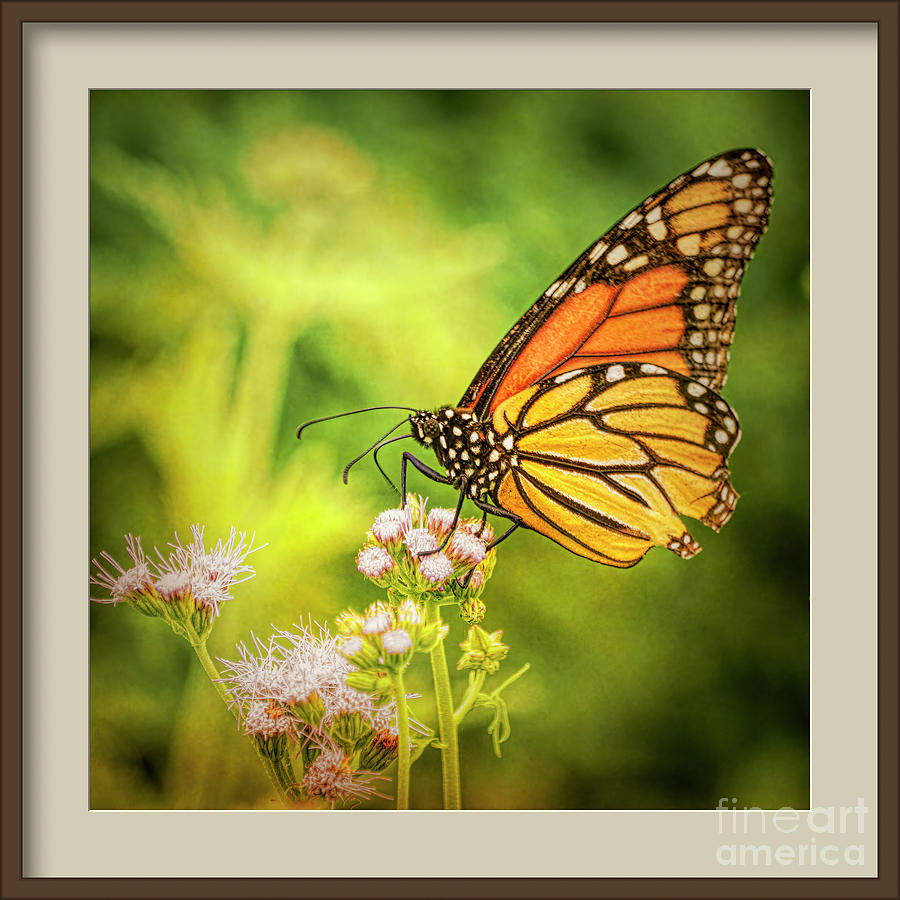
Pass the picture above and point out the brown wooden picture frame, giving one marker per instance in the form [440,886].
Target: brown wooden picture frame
[885,14]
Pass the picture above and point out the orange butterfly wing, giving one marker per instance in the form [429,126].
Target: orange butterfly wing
[659,287]
[604,460]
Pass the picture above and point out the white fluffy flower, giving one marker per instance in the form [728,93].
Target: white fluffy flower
[390,524]
[420,540]
[130,581]
[396,641]
[465,547]
[331,777]
[436,567]
[373,562]
[440,519]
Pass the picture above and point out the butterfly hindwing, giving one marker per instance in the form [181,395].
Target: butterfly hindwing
[659,287]
[605,459]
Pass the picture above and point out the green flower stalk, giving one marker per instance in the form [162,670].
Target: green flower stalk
[381,644]
[424,559]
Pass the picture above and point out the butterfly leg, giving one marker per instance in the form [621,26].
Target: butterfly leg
[502,513]
[462,496]
[496,511]
[425,470]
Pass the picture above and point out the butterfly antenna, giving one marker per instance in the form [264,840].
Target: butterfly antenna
[351,413]
[378,464]
[374,446]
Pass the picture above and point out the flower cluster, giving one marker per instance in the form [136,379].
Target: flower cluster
[415,551]
[383,640]
[186,587]
[297,685]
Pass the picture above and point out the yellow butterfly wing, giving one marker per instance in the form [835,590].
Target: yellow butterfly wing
[603,460]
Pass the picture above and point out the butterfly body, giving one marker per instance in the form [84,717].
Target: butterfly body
[467,448]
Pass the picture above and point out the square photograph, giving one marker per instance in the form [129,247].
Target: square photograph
[501,324]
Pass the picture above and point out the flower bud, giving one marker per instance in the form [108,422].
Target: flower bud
[436,568]
[480,528]
[440,520]
[464,547]
[371,682]
[396,642]
[359,651]
[311,709]
[378,622]
[473,609]
[482,650]
[349,729]
[431,635]
[349,622]
[375,563]
[380,751]
[390,525]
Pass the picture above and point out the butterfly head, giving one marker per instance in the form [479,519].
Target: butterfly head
[425,426]
[444,430]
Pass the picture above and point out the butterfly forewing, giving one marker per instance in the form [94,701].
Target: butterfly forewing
[604,460]
[659,287]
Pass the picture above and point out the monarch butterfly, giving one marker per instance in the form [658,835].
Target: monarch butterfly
[597,421]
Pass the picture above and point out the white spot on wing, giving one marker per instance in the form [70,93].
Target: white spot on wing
[598,251]
[615,373]
[636,263]
[567,375]
[617,254]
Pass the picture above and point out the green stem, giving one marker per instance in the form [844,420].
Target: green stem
[280,779]
[475,684]
[447,726]
[403,742]
[514,677]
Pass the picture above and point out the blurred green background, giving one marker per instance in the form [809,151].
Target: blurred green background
[261,258]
